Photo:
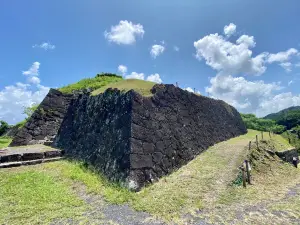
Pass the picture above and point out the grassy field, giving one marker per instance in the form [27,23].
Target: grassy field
[140,86]
[4,142]
[202,188]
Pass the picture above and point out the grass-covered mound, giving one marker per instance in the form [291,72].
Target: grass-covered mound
[97,82]
[104,81]
[140,86]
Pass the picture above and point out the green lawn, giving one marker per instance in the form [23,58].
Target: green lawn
[48,192]
[4,142]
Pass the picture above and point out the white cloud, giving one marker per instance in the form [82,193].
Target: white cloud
[176,49]
[279,102]
[282,56]
[189,89]
[246,40]
[46,46]
[122,69]
[154,78]
[157,50]
[228,57]
[124,33]
[14,98]
[229,29]
[135,75]
[290,82]
[255,97]
[287,66]
[34,80]
[33,70]
[297,65]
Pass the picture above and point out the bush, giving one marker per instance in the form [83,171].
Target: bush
[3,127]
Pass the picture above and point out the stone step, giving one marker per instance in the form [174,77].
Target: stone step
[29,162]
[7,157]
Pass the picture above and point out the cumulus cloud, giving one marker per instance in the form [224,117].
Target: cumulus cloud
[135,75]
[255,97]
[141,76]
[34,80]
[14,98]
[229,29]
[232,60]
[33,70]
[282,56]
[122,69]
[124,33]
[287,66]
[45,45]
[189,89]
[246,40]
[290,82]
[156,50]
[154,78]
[228,57]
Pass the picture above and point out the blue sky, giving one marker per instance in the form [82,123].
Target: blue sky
[253,64]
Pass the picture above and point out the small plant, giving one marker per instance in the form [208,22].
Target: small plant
[238,180]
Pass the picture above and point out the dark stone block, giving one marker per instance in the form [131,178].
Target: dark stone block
[10,158]
[52,154]
[138,161]
[32,156]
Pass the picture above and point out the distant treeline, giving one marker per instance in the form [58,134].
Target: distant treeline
[289,117]
[252,122]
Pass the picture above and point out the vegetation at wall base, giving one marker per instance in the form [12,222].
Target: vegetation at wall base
[4,141]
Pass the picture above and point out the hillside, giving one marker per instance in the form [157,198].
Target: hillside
[289,117]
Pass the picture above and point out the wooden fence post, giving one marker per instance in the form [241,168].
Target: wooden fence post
[244,177]
[270,134]
[249,145]
[262,135]
[256,141]
[248,171]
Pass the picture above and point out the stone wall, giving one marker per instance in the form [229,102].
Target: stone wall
[135,140]
[288,155]
[45,121]
[172,127]
[96,129]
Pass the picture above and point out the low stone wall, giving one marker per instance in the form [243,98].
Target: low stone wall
[45,121]
[288,155]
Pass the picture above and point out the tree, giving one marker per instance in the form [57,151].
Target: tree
[3,127]
[297,129]
[30,110]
